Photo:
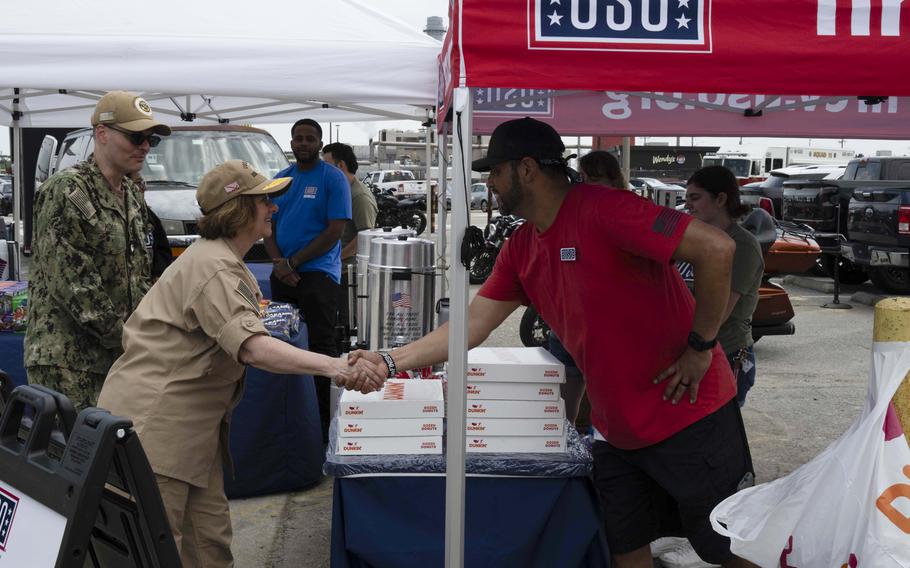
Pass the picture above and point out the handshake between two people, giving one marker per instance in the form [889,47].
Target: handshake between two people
[363,371]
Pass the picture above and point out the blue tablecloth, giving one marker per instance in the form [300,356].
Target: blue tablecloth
[262,270]
[11,356]
[528,510]
[399,522]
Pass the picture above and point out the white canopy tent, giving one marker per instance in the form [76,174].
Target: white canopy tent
[208,62]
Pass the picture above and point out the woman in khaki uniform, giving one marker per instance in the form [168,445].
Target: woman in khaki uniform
[185,351]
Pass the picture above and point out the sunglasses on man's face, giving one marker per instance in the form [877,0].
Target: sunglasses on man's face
[137,138]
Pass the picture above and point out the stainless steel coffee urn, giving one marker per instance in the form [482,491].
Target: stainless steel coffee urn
[401,282]
[361,304]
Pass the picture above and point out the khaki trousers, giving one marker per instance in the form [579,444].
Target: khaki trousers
[200,519]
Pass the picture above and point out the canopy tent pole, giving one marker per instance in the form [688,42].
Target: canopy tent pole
[442,191]
[627,157]
[18,177]
[458,333]
[428,159]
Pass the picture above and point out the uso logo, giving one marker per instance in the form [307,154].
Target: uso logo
[8,504]
[621,25]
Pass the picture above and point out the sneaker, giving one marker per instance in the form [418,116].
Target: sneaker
[673,552]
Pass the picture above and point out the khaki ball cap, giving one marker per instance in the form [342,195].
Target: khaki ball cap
[128,111]
[233,179]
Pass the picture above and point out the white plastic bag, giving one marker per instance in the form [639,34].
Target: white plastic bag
[850,506]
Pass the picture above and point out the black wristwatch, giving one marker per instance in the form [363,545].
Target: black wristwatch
[699,343]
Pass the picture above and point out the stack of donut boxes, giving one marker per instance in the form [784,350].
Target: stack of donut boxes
[513,406]
[513,401]
[405,417]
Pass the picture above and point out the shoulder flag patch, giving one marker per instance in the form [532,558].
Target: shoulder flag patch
[666,222]
[247,295]
[79,198]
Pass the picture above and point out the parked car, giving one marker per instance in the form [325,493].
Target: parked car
[479,196]
[174,168]
[6,195]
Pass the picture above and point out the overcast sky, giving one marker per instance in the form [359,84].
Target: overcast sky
[415,14]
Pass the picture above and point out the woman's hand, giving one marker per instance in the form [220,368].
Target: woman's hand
[360,375]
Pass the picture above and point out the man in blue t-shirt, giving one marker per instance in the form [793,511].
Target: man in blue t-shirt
[305,247]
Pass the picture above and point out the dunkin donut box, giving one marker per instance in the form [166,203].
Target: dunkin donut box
[382,445]
[399,398]
[516,444]
[378,427]
[513,364]
[488,390]
[514,427]
[550,409]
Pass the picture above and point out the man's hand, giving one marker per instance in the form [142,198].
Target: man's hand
[685,375]
[283,271]
[362,376]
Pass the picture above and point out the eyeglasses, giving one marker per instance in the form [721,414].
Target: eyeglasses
[137,138]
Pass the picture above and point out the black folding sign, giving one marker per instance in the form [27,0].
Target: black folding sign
[76,491]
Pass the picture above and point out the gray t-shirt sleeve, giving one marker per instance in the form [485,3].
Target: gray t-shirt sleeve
[748,264]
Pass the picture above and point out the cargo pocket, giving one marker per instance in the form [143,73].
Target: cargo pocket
[113,240]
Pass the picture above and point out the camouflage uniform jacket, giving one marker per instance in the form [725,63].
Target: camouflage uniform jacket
[89,270]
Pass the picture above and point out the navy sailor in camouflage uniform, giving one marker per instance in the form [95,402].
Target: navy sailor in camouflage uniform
[90,266]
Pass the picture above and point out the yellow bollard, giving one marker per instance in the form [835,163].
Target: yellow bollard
[892,323]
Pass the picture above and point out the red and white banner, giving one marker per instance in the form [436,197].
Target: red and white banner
[687,114]
[824,47]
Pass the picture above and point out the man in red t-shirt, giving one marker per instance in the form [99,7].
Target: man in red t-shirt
[597,264]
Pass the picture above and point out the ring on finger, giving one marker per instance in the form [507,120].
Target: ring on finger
[683,385]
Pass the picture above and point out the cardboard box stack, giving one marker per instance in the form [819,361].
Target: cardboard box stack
[513,402]
[405,417]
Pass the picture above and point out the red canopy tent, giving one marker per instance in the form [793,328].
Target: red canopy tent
[840,51]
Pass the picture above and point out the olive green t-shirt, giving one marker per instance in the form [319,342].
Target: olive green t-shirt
[748,266]
[363,213]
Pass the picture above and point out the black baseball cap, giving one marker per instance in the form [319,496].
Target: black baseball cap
[521,138]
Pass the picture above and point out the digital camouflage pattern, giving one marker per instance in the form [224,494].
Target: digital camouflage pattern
[90,269]
[81,387]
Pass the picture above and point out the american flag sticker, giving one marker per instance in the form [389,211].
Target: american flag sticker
[568,254]
[666,222]
[401,300]
[8,505]
[680,26]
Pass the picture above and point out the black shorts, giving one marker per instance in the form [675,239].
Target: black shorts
[670,488]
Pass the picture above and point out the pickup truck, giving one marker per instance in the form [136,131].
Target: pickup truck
[877,221]
[401,182]
[820,202]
